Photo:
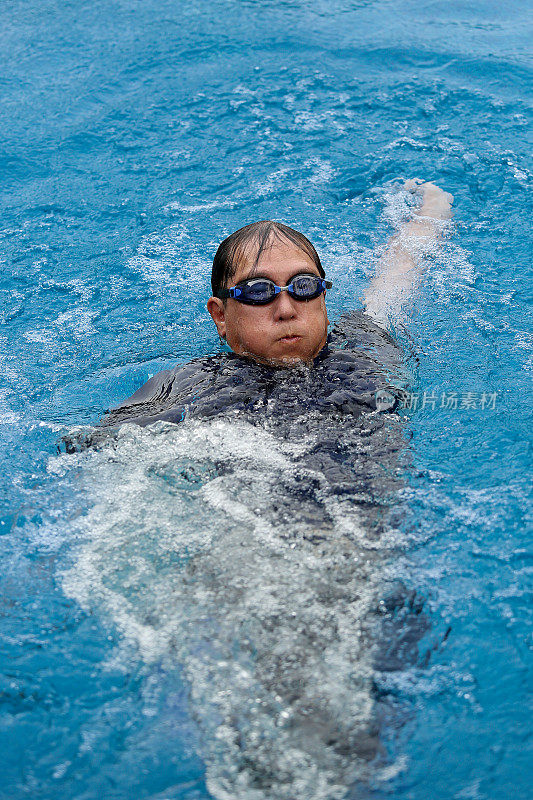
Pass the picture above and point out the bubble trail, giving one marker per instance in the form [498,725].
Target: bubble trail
[222,548]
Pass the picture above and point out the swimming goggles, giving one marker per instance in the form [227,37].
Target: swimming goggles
[260,291]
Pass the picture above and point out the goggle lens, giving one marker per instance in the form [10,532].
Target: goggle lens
[306,287]
[257,292]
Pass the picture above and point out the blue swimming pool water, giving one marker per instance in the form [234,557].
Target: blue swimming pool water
[135,135]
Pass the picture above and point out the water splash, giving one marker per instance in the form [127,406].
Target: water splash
[217,546]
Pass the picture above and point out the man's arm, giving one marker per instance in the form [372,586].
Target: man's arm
[400,266]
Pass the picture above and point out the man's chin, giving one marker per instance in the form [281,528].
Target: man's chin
[289,361]
[282,354]
[282,358]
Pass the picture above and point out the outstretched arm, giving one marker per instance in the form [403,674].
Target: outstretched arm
[401,265]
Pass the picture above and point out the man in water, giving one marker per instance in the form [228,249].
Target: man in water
[268,304]
[277,623]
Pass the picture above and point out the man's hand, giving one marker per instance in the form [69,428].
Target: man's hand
[436,203]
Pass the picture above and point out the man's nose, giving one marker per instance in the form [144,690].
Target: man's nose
[284,306]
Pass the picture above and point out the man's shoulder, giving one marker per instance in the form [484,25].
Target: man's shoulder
[357,326]
[186,389]
[356,331]
[168,381]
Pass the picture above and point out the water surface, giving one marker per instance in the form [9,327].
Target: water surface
[135,136]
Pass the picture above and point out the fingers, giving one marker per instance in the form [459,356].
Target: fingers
[427,190]
[436,203]
[413,184]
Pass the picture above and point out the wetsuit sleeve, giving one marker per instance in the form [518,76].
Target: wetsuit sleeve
[139,408]
[163,397]
[357,331]
[154,387]
[166,397]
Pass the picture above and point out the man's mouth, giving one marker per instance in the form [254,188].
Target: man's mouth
[289,339]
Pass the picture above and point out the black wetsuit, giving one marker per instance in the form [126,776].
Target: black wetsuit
[330,406]
[358,360]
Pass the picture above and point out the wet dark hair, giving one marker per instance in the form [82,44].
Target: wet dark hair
[250,242]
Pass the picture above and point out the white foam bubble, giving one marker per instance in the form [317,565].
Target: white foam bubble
[198,550]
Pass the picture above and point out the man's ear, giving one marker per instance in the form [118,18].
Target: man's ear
[215,306]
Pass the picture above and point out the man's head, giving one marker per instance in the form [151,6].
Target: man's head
[286,331]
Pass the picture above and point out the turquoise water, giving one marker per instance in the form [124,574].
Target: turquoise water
[135,136]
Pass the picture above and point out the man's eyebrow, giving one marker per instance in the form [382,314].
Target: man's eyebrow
[260,276]
[252,276]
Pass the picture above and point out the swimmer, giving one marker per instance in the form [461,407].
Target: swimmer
[301,595]
[268,304]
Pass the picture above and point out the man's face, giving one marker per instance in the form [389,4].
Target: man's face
[286,331]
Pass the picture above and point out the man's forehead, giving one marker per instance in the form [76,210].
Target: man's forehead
[282,259]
